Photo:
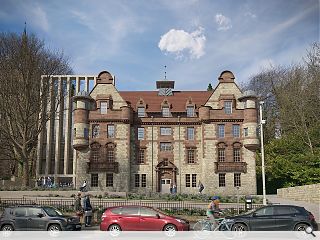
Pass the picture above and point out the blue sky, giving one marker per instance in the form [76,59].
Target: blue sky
[195,39]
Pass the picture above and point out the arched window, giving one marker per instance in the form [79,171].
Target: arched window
[221,152]
[237,152]
[110,152]
[95,152]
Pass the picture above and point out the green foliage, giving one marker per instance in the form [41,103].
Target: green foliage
[209,87]
[289,162]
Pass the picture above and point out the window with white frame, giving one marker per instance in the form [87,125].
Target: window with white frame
[228,107]
[221,131]
[188,180]
[237,179]
[236,130]
[190,111]
[191,156]
[165,147]
[165,112]
[141,156]
[95,130]
[222,179]
[141,112]
[110,155]
[140,133]
[109,180]
[110,130]
[103,107]
[221,154]
[165,131]
[190,133]
[236,155]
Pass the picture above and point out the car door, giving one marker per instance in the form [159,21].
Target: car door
[263,219]
[150,220]
[285,218]
[36,219]
[129,219]
[20,219]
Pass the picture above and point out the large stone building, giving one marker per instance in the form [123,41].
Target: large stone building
[145,141]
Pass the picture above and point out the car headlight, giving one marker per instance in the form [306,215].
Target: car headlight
[181,221]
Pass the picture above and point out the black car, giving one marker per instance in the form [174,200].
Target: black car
[35,218]
[275,218]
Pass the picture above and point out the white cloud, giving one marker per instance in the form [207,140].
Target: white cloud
[224,23]
[39,18]
[250,14]
[179,41]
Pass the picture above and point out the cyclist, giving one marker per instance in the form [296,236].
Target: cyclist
[213,209]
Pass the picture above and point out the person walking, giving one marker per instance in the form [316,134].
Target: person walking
[87,211]
[78,208]
[213,210]
[201,187]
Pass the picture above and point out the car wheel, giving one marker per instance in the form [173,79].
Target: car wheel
[7,228]
[239,227]
[54,228]
[114,228]
[170,227]
[301,227]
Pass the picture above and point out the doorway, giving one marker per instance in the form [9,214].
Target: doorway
[165,185]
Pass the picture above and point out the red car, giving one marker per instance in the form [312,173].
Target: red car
[138,218]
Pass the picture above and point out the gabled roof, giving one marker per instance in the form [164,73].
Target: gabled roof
[178,101]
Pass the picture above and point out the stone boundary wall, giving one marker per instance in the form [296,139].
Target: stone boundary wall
[307,193]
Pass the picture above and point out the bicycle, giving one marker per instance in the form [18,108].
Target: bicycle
[219,224]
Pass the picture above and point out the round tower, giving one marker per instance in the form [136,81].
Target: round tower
[250,122]
[83,104]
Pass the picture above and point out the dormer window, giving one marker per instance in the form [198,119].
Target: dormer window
[103,107]
[228,107]
[190,111]
[165,112]
[141,111]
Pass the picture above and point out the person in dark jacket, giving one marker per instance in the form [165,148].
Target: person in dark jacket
[87,211]
[77,207]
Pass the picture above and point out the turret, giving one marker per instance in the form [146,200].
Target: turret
[83,104]
[250,124]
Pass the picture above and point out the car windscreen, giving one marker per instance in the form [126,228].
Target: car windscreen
[52,212]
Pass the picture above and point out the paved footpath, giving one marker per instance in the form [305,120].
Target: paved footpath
[311,207]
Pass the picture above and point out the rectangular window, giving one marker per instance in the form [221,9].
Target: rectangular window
[221,154]
[221,130]
[194,180]
[236,155]
[94,180]
[165,131]
[103,107]
[222,179]
[95,155]
[190,133]
[246,132]
[141,156]
[86,133]
[141,111]
[191,156]
[140,133]
[190,111]
[110,155]
[110,129]
[227,107]
[165,147]
[137,180]
[109,180]
[236,130]
[95,130]
[143,180]
[237,179]
[165,112]
[187,180]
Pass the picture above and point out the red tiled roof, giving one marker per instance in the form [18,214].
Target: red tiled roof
[178,100]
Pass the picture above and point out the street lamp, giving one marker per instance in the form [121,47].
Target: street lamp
[262,154]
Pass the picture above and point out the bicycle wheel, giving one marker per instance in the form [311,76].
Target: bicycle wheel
[202,225]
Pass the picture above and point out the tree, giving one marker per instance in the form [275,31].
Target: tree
[209,87]
[23,60]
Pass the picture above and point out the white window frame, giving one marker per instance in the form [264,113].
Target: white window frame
[109,127]
[228,107]
[190,111]
[190,135]
[104,107]
[165,146]
[221,130]
[236,130]
[246,132]
[165,131]
[140,133]
[165,112]
[141,111]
